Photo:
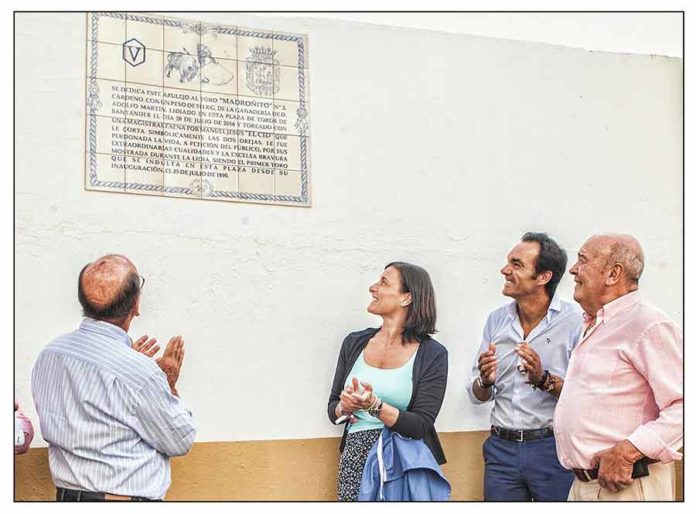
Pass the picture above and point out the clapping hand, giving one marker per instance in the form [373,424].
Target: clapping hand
[531,362]
[347,405]
[353,399]
[145,346]
[365,398]
[171,361]
[488,364]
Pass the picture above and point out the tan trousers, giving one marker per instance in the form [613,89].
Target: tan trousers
[660,485]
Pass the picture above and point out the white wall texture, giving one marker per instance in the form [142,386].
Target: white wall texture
[647,32]
[438,149]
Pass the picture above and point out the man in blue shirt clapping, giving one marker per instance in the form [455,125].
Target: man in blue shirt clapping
[110,413]
[520,367]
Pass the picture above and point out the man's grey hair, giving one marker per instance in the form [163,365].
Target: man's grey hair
[625,250]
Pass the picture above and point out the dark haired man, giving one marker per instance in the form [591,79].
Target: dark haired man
[520,367]
[111,415]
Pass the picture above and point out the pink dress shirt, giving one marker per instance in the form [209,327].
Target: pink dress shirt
[624,381]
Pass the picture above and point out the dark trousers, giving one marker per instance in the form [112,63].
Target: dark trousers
[73,495]
[524,471]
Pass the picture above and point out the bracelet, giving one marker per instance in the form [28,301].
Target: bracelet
[542,380]
[480,383]
[376,408]
[550,384]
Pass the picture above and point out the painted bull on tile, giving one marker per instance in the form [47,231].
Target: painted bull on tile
[203,65]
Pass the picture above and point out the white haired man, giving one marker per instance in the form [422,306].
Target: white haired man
[619,419]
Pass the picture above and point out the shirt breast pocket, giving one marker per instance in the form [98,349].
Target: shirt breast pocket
[597,366]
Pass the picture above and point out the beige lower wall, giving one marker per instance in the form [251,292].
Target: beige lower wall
[303,469]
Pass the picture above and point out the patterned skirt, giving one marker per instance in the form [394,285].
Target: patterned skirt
[350,469]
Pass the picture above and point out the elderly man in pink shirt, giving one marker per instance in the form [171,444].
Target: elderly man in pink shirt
[618,421]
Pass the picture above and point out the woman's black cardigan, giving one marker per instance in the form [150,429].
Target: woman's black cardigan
[429,383]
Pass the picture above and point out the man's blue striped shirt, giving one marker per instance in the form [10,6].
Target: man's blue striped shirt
[108,414]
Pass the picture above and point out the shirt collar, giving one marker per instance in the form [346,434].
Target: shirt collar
[554,307]
[512,309]
[621,303]
[106,329]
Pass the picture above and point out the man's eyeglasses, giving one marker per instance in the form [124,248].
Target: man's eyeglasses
[142,281]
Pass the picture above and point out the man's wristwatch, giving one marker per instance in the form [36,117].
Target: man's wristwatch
[481,385]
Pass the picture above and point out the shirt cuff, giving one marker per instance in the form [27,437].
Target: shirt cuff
[650,445]
[472,396]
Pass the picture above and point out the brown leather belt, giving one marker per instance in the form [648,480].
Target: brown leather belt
[640,469]
[585,475]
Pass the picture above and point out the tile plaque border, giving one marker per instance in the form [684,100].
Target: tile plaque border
[93,102]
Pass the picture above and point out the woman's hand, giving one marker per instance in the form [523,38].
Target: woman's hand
[346,406]
[353,399]
[349,400]
[364,398]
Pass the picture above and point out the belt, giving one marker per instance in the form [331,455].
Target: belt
[521,435]
[74,495]
[640,469]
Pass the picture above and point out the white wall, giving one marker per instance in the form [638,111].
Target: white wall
[655,33]
[434,148]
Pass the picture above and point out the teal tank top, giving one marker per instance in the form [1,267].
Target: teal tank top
[393,386]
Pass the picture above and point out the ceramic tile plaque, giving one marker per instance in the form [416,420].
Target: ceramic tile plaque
[196,110]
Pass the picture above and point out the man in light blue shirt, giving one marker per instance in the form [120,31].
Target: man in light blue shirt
[110,413]
[520,368]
